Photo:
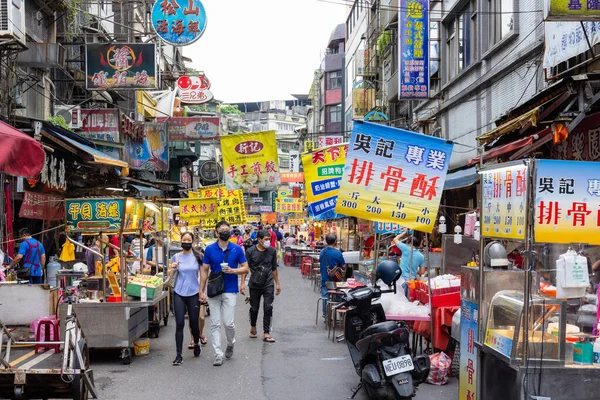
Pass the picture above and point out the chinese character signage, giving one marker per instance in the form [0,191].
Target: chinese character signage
[567,202]
[413,43]
[95,215]
[288,205]
[212,204]
[120,66]
[252,219]
[325,141]
[210,171]
[250,160]
[199,212]
[565,40]
[571,10]
[42,206]
[194,89]
[194,129]
[100,125]
[294,161]
[504,202]
[394,175]
[295,221]
[179,22]
[52,178]
[292,177]
[469,332]
[323,170]
[309,146]
[152,154]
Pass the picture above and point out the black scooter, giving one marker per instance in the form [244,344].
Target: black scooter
[380,349]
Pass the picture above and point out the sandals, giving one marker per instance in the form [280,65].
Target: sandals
[203,342]
[253,334]
[268,339]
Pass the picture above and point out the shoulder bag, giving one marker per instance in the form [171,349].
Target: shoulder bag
[336,273]
[172,278]
[216,281]
[259,277]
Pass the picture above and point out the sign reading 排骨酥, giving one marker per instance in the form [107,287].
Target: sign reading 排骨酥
[393,175]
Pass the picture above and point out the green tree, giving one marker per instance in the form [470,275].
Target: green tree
[230,109]
[59,120]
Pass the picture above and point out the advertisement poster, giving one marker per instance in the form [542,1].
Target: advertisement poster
[323,170]
[42,206]
[120,66]
[199,212]
[567,202]
[95,215]
[152,153]
[288,205]
[292,177]
[194,129]
[571,10]
[268,218]
[566,39]
[469,328]
[252,219]
[394,175]
[413,43]
[179,22]
[504,202]
[100,125]
[211,204]
[250,160]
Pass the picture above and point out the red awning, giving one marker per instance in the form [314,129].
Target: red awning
[21,155]
[510,147]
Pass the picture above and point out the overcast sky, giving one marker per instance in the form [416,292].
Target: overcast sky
[263,49]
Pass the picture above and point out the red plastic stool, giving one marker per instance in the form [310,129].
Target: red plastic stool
[306,265]
[47,324]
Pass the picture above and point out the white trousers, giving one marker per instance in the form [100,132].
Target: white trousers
[222,309]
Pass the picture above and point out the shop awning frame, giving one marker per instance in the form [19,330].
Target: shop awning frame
[147,191]
[461,179]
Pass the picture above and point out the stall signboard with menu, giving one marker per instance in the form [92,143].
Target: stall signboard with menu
[469,332]
[94,215]
[567,202]
[504,199]
[211,204]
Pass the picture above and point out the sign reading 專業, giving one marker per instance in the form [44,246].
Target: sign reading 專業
[194,129]
[394,175]
[120,66]
[250,160]
[413,51]
[571,10]
[567,202]
[179,22]
[95,215]
[504,202]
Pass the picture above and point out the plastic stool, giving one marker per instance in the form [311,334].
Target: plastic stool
[47,324]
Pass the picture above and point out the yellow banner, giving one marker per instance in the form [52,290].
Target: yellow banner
[252,219]
[212,204]
[296,221]
[250,160]
[309,146]
[504,202]
[572,10]
[288,205]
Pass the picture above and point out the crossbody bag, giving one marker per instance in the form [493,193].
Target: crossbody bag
[216,281]
[336,273]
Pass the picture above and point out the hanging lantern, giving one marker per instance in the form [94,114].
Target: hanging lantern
[457,234]
[442,225]
[477,231]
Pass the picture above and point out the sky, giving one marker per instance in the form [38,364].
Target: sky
[263,49]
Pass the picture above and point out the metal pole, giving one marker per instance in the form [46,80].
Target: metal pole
[123,263]
[428,265]
[530,257]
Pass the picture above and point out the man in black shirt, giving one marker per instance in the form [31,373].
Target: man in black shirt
[262,260]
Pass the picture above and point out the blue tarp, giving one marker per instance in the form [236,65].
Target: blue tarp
[460,179]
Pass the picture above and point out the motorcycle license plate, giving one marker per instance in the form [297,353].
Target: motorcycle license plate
[398,365]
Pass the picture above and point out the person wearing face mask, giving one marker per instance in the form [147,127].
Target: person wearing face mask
[222,306]
[186,296]
[262,261]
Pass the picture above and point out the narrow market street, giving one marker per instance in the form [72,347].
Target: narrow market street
[302,364]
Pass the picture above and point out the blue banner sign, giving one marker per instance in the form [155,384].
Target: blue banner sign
[414,49]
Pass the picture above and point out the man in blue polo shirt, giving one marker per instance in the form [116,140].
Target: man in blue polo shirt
[222,306]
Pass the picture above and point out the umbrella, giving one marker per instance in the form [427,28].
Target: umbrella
[21,155]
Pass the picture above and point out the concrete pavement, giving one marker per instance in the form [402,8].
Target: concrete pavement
[302,364]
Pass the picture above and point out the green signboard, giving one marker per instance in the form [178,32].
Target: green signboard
[98,215]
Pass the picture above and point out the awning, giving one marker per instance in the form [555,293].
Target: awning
[21,155]
[96,155]
[524,121]
[147,191]
[526,142]
[461,179]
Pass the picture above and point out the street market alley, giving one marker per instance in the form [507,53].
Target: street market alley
[302,364]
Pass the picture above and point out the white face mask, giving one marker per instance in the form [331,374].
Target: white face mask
[267,244]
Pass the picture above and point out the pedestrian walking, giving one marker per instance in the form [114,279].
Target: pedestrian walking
[186,296]
[262,261]
[224,261]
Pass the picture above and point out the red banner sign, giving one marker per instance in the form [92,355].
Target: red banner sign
[42,206]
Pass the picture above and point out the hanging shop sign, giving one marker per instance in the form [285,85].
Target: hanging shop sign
[323,170]
[469,333]
[252,219]
[210,171]
[363,101]
[309,146]
[504,202]
[52,177]
[266,209]
[394,175]
[583,143]
[194,129]
[292,177]
[295,221]
[179,22]
[120,66]
[294,161]
[199,212]
[268,218]
[324,141]
[250,160]
[194,89]
[227,205]
[42,206]
[100,125]
[257,200]
[95,215]
[152,153]
[571,10]
[288,205]
[413,50]
[566,39]
[567,202]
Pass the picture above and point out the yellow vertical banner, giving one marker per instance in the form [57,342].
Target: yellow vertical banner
[250,160]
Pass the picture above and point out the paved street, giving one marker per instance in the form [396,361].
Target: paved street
[303,364]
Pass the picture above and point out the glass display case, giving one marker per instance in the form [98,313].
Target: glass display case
[546,329]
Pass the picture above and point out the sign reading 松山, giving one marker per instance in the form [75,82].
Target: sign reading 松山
[179,22]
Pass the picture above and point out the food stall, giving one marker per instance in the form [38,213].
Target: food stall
[109,318]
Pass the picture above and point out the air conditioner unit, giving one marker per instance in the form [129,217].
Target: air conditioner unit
[12,20]
[72,115]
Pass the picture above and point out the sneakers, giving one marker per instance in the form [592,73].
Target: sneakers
[229,352]
[218,361]
[197,350]
[178,361]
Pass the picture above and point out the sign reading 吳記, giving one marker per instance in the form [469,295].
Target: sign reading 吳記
[413,43]
[179,22]
[393,175]
[567,202]
[504,202]
[120,66]
[95,215]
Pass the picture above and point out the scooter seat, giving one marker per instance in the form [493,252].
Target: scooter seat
[381,327]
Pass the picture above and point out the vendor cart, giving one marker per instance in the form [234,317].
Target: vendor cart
[53,373]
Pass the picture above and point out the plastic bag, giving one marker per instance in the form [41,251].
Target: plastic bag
[440,369]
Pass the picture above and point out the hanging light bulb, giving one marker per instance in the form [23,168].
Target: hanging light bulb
[442,225]
[457,234]
[477,231]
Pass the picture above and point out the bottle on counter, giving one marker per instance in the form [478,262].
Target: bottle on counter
[144,293]
[597,352]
